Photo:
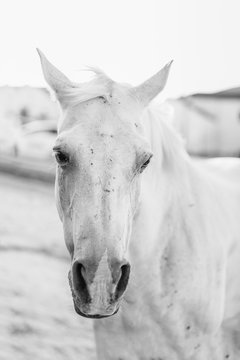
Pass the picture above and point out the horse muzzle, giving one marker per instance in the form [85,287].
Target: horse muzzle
[97,291]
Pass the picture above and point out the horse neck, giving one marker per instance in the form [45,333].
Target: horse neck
[165,189]
[173,244]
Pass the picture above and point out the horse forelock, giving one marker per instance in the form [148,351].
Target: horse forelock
[99,86]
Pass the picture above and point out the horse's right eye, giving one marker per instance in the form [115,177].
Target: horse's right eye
[61,158]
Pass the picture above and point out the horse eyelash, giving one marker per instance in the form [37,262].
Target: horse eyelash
[145,164]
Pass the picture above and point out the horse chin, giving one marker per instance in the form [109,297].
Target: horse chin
[93,316]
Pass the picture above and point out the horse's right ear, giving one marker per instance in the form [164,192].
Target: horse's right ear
[148,90]
[57,81]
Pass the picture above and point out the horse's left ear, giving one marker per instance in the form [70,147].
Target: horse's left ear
[153,86]
[57,81]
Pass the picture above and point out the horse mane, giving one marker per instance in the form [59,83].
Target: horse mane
[99,86]
[166,143]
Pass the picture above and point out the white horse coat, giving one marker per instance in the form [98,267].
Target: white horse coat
[182,240]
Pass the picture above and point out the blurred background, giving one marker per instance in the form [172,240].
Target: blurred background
[130,40]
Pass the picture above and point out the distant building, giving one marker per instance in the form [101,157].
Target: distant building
[209,123]
[26,103]
[28,119]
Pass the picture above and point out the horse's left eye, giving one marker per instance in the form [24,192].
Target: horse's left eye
[145,164]
[62,159]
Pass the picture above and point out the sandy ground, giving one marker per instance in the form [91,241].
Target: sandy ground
[37,320]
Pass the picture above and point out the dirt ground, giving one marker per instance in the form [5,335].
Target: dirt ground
[37,320]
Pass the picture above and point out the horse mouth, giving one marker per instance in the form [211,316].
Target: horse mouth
[93,316]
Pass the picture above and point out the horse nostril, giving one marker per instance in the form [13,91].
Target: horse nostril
[79,281]
[123,281]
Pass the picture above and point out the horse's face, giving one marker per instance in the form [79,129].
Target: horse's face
[101,154]
[100,157]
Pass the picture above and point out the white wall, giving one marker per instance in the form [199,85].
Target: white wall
[209,135]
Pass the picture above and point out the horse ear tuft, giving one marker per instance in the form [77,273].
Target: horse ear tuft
[57,81]
[148,90]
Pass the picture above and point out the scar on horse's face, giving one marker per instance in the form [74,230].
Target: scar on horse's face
[101,153]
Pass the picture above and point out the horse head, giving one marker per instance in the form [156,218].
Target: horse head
[101,153]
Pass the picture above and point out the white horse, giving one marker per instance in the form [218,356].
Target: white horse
[168,225]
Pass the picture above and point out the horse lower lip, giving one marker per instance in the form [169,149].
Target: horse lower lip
[96,316]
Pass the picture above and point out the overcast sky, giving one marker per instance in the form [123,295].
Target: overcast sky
[128,39]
